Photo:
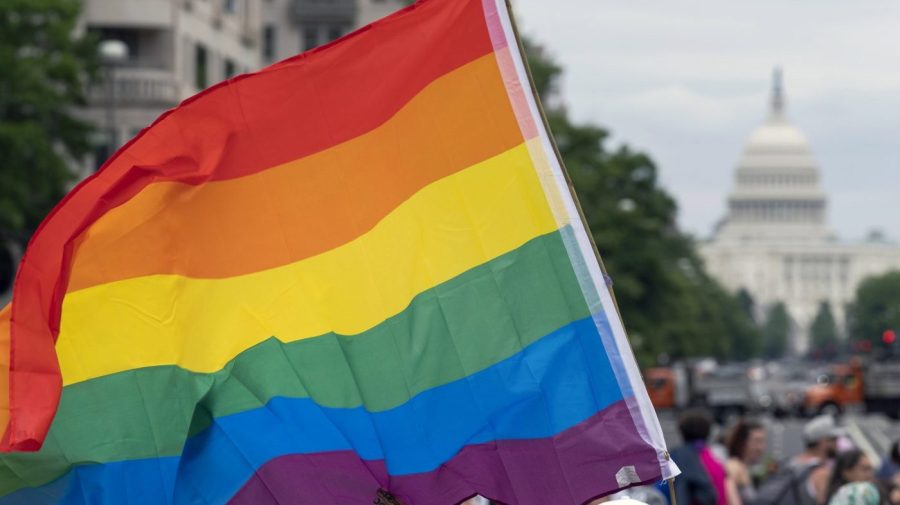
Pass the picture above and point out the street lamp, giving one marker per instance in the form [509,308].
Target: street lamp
[112,53]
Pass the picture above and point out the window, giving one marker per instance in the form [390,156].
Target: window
[231,6]
[269,42]
[334,32]
[230,68]
[310,37]
[201,77]
[102,151]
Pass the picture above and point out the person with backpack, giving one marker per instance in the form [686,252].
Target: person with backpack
[821,435]
[804,479]
[703,479]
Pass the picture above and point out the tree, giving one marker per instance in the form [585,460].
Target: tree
[876,309]
[45,68]
[747,303]
[776,332]
[545,72]
[669,303]
[746,337]
[824,340]
[7,270]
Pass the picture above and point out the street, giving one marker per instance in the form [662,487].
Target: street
[872,433]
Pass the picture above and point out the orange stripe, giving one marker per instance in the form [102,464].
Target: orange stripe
[308,206]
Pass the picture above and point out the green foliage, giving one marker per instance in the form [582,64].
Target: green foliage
[876,309]
[44,68]
[746,336]
[747,303]
[669,304]
[776,332]
[824,339]
[7,270]
[544,71]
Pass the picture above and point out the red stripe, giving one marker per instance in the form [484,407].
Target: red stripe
[287,111]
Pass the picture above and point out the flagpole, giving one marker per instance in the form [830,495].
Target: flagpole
[559,158]
[571,186]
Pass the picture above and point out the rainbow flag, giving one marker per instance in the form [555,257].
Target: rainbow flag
[359,269]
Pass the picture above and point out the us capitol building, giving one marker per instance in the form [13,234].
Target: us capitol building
[775,241]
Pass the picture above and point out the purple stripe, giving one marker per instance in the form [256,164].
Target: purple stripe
[568,469]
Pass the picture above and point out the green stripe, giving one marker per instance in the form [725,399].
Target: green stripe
[462,326]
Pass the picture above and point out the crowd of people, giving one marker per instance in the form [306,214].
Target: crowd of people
[732,470]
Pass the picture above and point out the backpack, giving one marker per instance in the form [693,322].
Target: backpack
[787,487]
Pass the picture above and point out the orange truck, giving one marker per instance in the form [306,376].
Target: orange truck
[873,386]
[661,387]
[836,390]
[724,389]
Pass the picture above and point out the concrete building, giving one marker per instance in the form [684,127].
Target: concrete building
[775,241]
[179,47]
[175,48]
[293,26]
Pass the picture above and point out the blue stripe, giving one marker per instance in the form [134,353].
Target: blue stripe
[553,384]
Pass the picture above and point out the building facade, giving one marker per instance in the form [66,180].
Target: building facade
[775,241]
[175,48]
[293,26]
[179,47]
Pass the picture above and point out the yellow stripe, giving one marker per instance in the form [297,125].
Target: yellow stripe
[450,226]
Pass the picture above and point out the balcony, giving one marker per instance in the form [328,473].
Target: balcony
[138,87]
[323,12]
[130,13]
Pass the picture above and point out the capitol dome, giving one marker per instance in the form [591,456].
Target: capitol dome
[777,135]
[777,193]
[777,148]
[775,243]
[777,145]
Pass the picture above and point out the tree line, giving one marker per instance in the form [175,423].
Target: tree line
[672,308]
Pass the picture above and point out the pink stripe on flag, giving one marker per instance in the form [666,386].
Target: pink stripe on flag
[516,93]
[495,27]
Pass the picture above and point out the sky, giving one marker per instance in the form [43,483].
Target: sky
[688,81]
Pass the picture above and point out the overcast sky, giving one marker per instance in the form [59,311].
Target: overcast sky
[688,81]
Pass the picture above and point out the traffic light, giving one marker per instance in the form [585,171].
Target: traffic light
[889,337]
